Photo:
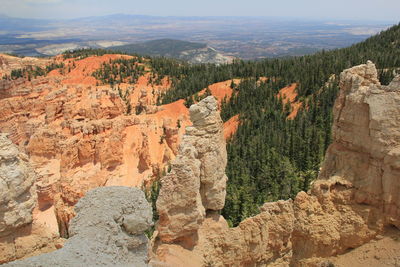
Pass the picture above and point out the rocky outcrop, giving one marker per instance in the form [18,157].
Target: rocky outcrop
[17,190]
[9,63]
[107,231]
[20,86]
[355,197]
[196,183]
[366,133]
[24,230]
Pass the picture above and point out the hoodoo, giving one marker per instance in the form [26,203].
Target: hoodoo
[196,184]
[79,136]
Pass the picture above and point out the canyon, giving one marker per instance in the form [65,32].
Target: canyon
[78,135]
[64,135]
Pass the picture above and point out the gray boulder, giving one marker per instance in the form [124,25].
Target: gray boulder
[107,231]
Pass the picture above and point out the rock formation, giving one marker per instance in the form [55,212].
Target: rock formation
[107,231]
[17,190]
[22,231]
[355,197]
[366,133]
[9,63]
[78,136]
[196,183]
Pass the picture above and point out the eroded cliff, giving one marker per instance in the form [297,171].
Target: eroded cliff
[80,135]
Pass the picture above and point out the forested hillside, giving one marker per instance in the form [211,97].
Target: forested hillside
[160,47]
[272,157]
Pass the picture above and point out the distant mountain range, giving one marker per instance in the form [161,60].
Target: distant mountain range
[242,37]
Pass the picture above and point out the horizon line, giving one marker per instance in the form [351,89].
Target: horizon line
[205,16]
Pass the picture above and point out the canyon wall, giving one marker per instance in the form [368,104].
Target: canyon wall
[354,198]
[79,136]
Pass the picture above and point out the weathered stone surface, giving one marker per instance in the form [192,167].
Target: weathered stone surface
[17,190]
[366,146]
[329,222]
[206,135]
[197,180]
[107,231]
[263,240]
[22,230]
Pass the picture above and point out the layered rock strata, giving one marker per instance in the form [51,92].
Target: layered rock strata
[107,231]
[355,197]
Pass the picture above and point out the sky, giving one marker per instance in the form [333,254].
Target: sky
[365,10]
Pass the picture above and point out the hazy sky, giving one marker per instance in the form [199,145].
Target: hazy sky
[384,10]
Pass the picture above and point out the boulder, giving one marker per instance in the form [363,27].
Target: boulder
[108,230]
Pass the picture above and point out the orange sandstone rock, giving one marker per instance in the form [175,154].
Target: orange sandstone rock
[80,136]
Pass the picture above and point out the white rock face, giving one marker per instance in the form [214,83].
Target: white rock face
[197,180]
[104,231]
[17,190]
[366,139]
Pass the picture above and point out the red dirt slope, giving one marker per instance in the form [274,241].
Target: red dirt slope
[221,90]
[289,94]
[80,71]
[231,126]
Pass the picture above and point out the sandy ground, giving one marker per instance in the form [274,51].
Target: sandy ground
[381,252]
